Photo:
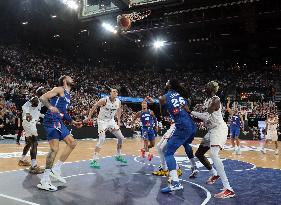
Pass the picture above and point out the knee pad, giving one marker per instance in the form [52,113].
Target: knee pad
[101,139]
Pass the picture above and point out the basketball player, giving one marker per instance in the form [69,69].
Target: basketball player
[148,127]
[30,115]
[271,132]
[57,101]
[109,108]
[183,133]
[214,140]
[236,122]
[163,169]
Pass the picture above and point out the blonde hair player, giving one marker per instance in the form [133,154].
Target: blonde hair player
[271,132]
[109,108]
[214,140]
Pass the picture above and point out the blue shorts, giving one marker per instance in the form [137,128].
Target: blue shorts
[57,133]
[148,134]
[234,132]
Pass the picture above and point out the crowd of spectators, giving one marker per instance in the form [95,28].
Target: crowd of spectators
[24,70]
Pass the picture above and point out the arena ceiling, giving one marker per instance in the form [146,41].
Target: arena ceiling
[191,29]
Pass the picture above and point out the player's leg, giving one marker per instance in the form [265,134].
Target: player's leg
[265,143]
[45,182]
[228,191]
[190,155]
[276,147]
[232,137]
[151,140]
[120,138]
[23,160]
[34,169]
[275,140]
[19,135]
[163,169]
[102,127]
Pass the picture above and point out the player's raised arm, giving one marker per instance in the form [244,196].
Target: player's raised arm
[98,104]
[48,95]
[228,106]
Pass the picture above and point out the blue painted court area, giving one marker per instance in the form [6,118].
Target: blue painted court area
[133,184]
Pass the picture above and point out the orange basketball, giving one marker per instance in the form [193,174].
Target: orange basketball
[124,22]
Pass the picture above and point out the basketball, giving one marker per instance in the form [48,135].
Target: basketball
[124,22]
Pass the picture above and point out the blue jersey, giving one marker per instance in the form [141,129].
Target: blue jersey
[147,120]
[62,103]
[235,121]
[173,105]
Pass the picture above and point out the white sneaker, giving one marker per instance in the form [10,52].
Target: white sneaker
[276,152]
[46,185]
[57,176]
[238,151]
[263,151]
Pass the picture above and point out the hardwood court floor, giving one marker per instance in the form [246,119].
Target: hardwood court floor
[9,153]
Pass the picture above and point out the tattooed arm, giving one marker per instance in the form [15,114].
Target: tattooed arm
[48,95]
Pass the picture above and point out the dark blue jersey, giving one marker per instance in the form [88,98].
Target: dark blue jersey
[173,105]
[62,103]
[147,120]
[235,121]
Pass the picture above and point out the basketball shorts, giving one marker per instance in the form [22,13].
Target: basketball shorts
[29,128]
[110,125]
[234,132]
[148,134]
[59,132]
[272,135]
[216,136]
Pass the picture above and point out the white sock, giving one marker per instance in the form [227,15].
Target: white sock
[219,166]
[177,166]
[193,163]
[58,165]
[119,152]
[46,175]
[96,156]
[33,162]
[213,171]
[23,158]
[174,175]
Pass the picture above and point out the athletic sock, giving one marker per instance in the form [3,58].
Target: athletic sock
[46,175]
[213,171]
[96,156]
[193,163]
[174,175]
[58,165]
[33,162]
[119,152]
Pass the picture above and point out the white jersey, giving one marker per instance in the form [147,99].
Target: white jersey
[108,111]
[33,111]
[216,117]
[271,127]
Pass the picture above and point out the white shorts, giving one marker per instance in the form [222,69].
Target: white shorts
[272,135]
[29,128]
[103,126]
[216,136]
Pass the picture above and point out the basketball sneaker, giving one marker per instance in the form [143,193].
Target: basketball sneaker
[161,172]
[149,157]
[238,151]
[94,164]
[172,187]
[226,193]
[24,163]
[46,185]
[212,179]
[263,151]
[179,171]
[142,153]
[276,152]
[121,159]
[36,170]
[55,174]
[194,173]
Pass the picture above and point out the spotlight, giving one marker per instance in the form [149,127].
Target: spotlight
[53,16]
[109,28]
[158,44]
[24,23]
[71,4]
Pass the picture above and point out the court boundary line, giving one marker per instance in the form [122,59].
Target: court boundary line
[17,199]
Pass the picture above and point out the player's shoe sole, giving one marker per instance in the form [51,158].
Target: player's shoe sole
[121,159]
[57,177]
[94,164]
[47,187]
